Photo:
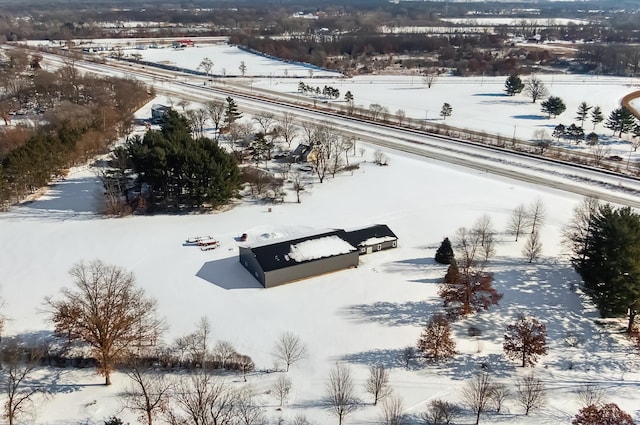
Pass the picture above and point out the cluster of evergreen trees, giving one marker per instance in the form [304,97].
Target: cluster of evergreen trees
[182,172]
[606,253]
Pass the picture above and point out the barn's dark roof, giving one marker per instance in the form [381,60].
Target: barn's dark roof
[275,255]
[356,237]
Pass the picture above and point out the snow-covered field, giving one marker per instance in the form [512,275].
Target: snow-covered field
[360,316]
[226,61]
[479,103]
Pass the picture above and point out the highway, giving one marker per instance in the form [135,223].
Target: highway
[586,181]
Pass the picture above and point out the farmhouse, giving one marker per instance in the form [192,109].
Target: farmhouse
[284,260]
[372,238]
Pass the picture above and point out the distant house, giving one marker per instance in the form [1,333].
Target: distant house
[184,42]
[300,153]
[285,260]
[281,261]
[372,238]
[157,112]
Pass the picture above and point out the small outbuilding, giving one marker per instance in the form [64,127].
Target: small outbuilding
[372,238]
[157,112]
[285,260]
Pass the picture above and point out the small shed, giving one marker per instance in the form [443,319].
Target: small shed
[157,112]
[372,238]
[285,260]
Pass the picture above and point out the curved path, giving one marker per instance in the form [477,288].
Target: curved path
[626,102]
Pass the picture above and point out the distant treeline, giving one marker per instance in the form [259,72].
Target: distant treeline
[73,116]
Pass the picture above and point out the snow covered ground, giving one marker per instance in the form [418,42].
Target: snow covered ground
[360,316]
[479,103]
[226,61]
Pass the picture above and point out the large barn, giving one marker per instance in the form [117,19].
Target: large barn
[283,260]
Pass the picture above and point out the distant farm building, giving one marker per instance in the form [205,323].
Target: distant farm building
[284,260]
[184,42]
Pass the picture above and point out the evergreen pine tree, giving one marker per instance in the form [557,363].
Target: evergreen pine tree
[596,116]
[559,131]
[513,85]
[182,173]
[609,263]
[620,120]
[553,106]
[444,254]
[446,111]
[231,113]
[583,112]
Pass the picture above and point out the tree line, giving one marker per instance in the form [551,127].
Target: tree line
[76,117]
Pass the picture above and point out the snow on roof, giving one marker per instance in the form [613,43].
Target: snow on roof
[314,249]
[267,235]
[375,241]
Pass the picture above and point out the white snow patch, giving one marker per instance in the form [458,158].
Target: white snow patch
[327,246]
[373,241]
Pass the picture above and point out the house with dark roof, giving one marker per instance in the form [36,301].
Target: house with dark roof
[285,260]
[157,112]
[371,238]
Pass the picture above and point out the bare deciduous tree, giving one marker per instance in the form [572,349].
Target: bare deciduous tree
[377,384]
[379,158]
[393,412]
[324,150]
[518,222]
[532,247]
[197,119]
[577,234]
[223,352]
[429,78]
[484,233]
[298,186]
[590,395]
[202,398]
[216,108]
[341,398]
[206,64]
[535,88]
[281,389]
[536,215]
[149,393]
[375,110]
[19,361]
[530,393]
[439,412]
[247,409]
[289,349]
[287,128]
[406,355]
[107,311]
[499,395]
[400,116]
[477,394]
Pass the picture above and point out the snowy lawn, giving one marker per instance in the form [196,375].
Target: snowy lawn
[360,316]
